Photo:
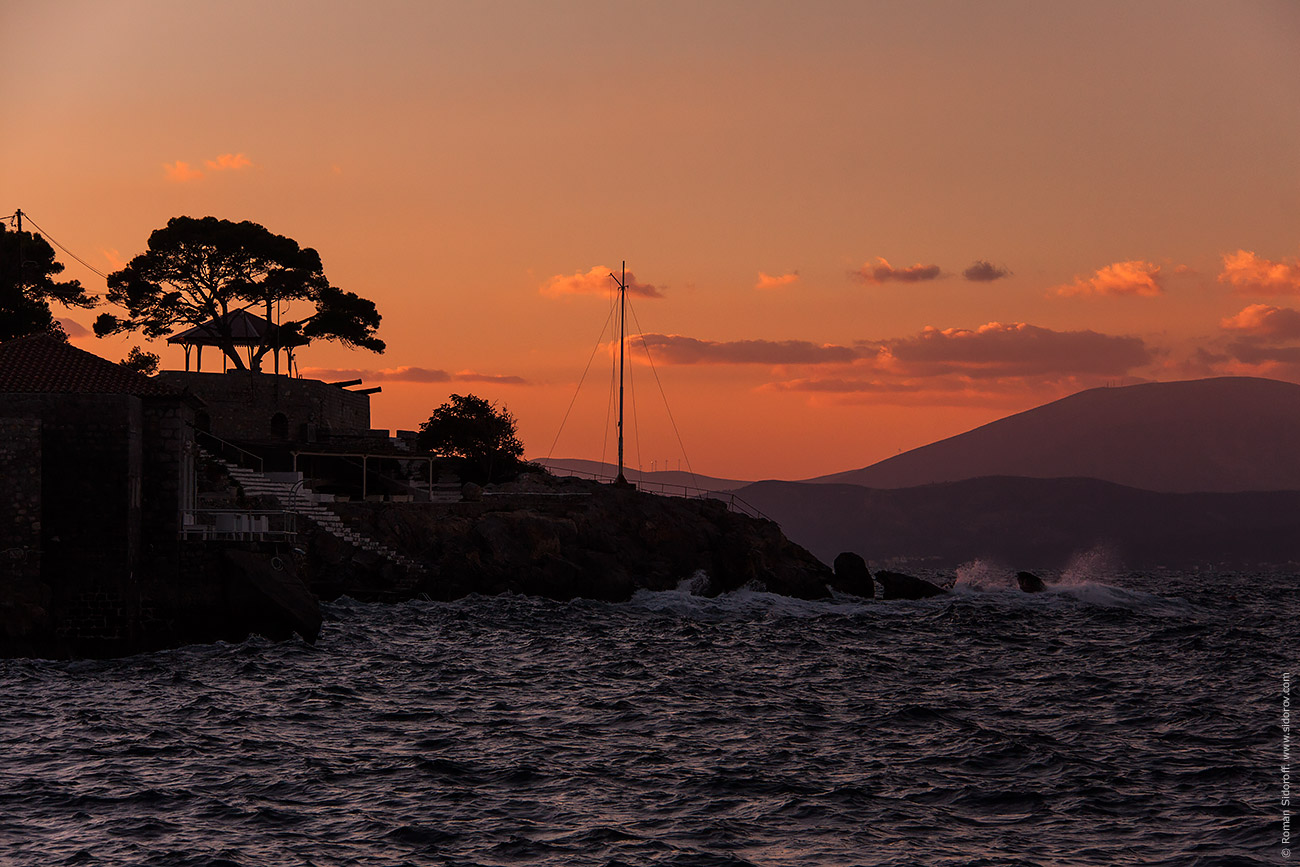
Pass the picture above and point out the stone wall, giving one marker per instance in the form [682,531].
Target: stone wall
[168,438]
[20,498]
[269,408]
[91,480]
[92,488]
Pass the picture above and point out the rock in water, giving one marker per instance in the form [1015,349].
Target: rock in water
[896,585]
[289,606]
[1029,582]
[852,576]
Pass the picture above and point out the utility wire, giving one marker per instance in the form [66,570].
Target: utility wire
[53,241]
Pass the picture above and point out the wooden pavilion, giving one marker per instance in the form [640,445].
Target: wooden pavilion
[241,328]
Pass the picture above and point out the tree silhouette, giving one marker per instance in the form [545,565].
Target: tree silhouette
[479,435]
[141,361]
[198,270]
[27,286]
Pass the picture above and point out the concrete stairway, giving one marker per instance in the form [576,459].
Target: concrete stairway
[255,484]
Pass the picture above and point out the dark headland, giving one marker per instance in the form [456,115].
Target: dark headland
[147,512]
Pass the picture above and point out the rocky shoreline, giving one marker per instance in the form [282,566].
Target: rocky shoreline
[561,538]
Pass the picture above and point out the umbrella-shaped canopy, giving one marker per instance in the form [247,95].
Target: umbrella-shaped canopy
[244,329]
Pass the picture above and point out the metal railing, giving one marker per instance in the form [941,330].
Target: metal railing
[348,459]
[216,445]
[239,525]
[665,489]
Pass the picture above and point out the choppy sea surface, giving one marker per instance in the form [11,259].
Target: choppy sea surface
[1113,720]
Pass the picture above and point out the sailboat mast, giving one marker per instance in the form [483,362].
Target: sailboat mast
[622,340]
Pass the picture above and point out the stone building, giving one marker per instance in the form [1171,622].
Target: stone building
[97,466]
[248,407]
[255,406]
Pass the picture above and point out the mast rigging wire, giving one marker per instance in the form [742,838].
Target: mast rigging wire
[600,337]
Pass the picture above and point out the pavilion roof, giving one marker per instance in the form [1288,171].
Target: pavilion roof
[246,329]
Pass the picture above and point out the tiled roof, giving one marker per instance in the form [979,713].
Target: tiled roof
[41,364]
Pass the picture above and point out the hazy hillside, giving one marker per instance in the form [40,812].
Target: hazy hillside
[1225,434]
[1033,523]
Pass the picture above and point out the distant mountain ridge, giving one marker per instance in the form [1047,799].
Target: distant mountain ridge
[1226,434]
[1033,523]
[1160,474]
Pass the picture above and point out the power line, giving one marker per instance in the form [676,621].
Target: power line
[55,242]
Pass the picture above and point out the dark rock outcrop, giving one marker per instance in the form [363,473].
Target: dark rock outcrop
[1029,582]
[563,538]
[287,605]
[896,585]
[852,576]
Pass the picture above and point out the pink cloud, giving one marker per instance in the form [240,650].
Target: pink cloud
[1249,274]
[597,281]
[768,281]
[1134,277]
[228,162]
[499,379]
[181,171]
[113,258]
[1262,320]
[677,349]
[883,272]
[407,374]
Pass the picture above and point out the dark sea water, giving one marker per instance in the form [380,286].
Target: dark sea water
[1114,720]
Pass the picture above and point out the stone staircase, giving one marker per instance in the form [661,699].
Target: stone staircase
[292,498]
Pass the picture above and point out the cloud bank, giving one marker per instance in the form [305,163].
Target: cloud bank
[677,349]
[408,374]
[1264,341]
[1012,350]
[1262,320]
[996,364]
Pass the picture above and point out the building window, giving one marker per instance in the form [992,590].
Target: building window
[280,426]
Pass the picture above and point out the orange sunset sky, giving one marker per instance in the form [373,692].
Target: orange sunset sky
[855,228]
